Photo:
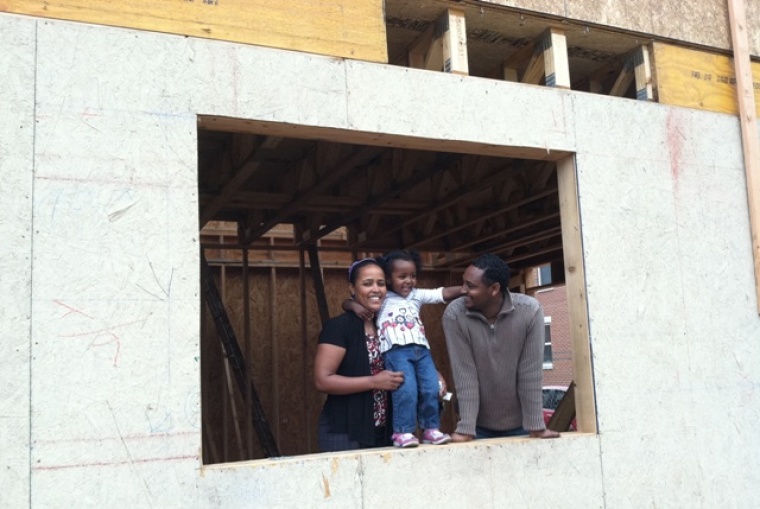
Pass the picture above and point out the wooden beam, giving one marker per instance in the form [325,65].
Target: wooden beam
[520,226]
[426,52]
[556,66]
[248,354]
[454,36]
[535,70]
[345,167]
[577,304]
[384,140]
[431,209]
[512,64]
[319,284]
[306,380]
[252,163]
[502,210]
[443,45]
[642,71]
[441,164]
[748,122]
[623,81]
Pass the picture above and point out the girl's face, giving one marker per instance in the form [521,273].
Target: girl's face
[403,277]
[369,289]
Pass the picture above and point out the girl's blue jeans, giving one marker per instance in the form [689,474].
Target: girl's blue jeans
[417,398]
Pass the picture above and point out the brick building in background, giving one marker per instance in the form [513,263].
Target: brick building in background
[558,362]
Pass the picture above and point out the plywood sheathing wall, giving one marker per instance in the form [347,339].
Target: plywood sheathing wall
[699,79]
[345,28]
[276,360]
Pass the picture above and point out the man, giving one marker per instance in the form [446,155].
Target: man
[496,346]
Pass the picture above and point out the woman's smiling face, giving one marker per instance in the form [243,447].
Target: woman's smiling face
[369,289]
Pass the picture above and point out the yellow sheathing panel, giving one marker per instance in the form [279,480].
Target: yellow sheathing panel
[341,28]
[699,79]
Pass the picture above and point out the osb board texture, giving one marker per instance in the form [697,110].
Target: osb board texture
[16,163]
[672,306]
[278,358]
[704,23]
[351,29]
[664,218]
[699,79]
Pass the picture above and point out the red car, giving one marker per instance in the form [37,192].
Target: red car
[553,394]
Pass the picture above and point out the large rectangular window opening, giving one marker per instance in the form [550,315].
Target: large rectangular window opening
[284,212]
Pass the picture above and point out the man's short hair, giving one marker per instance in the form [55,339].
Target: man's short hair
[495,270]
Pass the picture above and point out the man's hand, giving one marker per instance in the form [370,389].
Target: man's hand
[458,437]
[542,433]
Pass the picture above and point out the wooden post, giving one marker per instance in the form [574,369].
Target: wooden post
[575,284]
[642,72]
[556,66]
[275,348]
[247,351]
[226,394]
[304,349]
[443,46]
[748,122]
[319,284]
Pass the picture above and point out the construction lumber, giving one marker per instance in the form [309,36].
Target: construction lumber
[565,413]
[548,61]
[699,79]
[748,122]
[642,73]
[443,45]
[577,304]
[341,28]
[556,66]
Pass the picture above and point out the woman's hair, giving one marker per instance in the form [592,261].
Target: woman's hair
[407,255]
[353,269]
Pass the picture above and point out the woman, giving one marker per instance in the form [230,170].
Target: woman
[348,367]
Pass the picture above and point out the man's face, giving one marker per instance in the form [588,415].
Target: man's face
[477,295]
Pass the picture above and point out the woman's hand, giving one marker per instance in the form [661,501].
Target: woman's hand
[443,388]
[387,380]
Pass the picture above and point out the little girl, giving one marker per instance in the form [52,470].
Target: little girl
[405,348]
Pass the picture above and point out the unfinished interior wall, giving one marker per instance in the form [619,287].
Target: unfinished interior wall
[291,403]
[114,386]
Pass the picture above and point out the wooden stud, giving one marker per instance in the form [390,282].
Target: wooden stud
[748,122]
[248,354]
[642,71]
[454,42]
[535,70]
[443,45]
[575,284]
[426,52]
[306,417]
[623,81]
[319,284]
[275,348]
[556,66]
[511,65]
[233,408]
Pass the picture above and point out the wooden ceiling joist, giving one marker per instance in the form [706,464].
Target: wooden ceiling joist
[346,166]
[440,165]
[246,171]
